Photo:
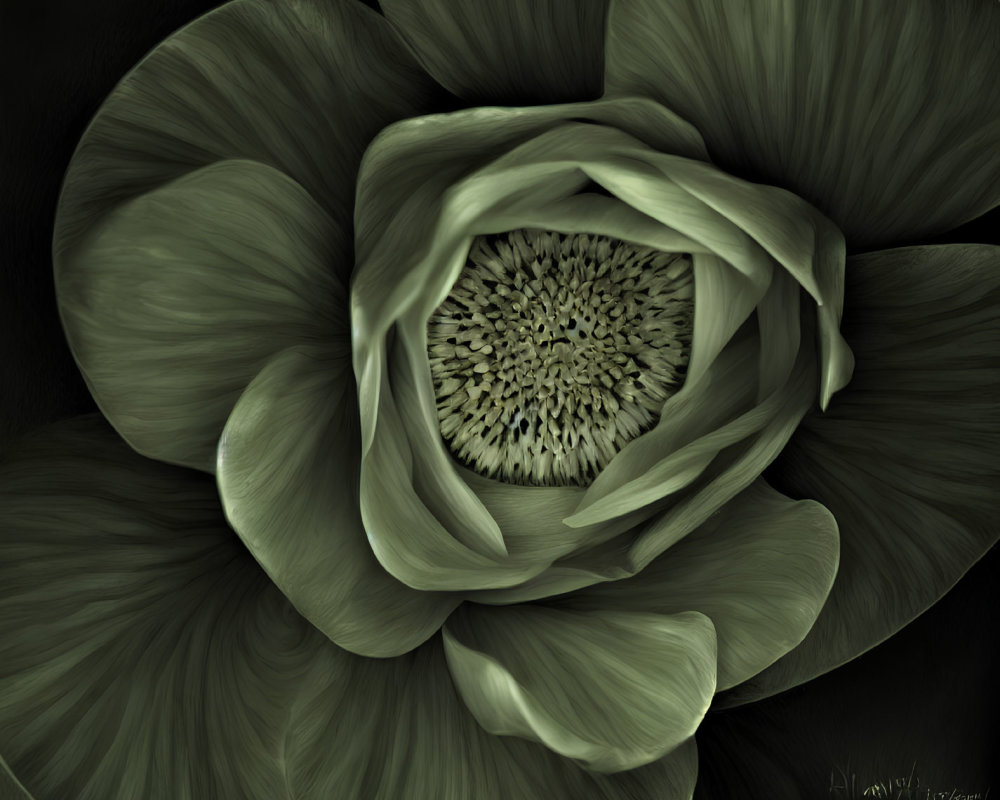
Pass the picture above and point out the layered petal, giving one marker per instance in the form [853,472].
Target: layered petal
[761,570]
[541,162]
[302,87]
[410,170]
[417,214]
[906,458]
[288,474]
[512,52]
[143,653]
[609,689]
[883,117]
[179,296]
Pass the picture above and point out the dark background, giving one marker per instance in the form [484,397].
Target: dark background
[927,697]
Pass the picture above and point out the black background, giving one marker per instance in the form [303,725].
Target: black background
[927,697]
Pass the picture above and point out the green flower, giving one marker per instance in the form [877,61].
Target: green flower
[462,335]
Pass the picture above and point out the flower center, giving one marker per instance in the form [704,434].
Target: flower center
[552,351]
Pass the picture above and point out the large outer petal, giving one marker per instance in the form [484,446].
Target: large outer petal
[908,457]
[144,654]
[302,86]
[885,116]
[507,52]
[179,296]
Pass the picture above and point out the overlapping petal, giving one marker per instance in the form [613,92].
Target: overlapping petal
[507,52]
[612,690]
[760,570]
[143,653]
[288,474]
[906,458]
[179,296]
[417,213]
[427,229]
[882,116]
[300,86]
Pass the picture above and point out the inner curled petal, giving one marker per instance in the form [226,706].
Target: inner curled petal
[553,351]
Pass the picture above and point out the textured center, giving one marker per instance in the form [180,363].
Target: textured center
[552,351]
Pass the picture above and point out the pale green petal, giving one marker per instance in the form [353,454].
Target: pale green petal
[404,533]
[594,214]
[300,86]
[180,295]
[778,324]
[611,690]
[734,471]
[906,457]
[760,570]
[723,300]
[797,236]
[288,472]
[417,215]
[531,518]
[747,225]
[507,52]
[421,259]
[144,654]
[885,116]
[724,394]
[414,166]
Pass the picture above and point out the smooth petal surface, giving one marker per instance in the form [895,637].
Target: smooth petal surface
[906,458]
[736,469]
[611,690]
[409,540]
[507,52]
[143,653]
[760,570]
[302,86]
[288,473]
[883,116]
[180,296]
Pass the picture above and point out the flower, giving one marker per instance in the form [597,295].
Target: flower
[205,241]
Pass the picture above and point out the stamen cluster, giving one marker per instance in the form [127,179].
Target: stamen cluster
[553,351]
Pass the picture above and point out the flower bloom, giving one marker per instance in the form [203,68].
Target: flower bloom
[462,354]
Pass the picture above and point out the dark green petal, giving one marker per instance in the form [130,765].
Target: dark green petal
[10,787]
[760,570]
[883,116]
[288,471]
[178,298]
[507,52]
[612,690]
[302,87]
[907,458]
[143,653]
